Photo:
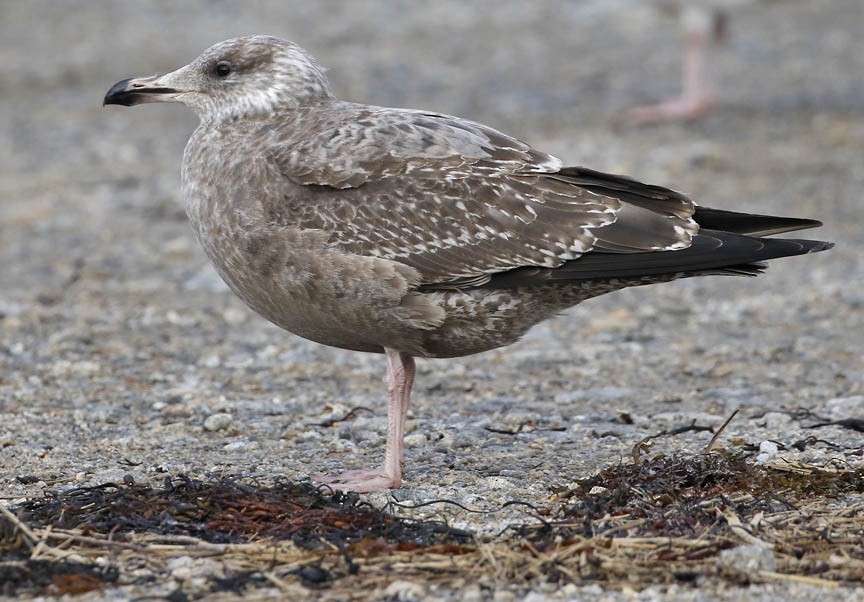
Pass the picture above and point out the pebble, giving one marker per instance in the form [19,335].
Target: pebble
[750,559]
[211,361]
[234,316]
[846,407]
[767,451]
[405,591]
[415,439]
[185,568]
[239,446]
[81,369]
[497,482]
[218,421]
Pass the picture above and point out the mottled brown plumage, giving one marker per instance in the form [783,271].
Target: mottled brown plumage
[414,233]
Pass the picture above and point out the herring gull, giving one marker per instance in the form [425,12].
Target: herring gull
[413,233]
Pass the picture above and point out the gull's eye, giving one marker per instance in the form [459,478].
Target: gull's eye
[223,68]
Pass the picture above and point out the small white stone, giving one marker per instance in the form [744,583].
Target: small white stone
[211,361]
[750,559]
[242,445]
[178,319]
[82,369]
[768,447]
[471,593]
[405,591]
[180,567]
[306,436]
[235,316]
[498,482]
[414,439]
[767,451]
[776,421]
[218,421]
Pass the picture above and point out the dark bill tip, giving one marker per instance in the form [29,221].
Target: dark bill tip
[133,91]
[119,94]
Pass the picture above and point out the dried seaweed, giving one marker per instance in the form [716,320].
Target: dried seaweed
[53,577]
[230,511]
[655,521]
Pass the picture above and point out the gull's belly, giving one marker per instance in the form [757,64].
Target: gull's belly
[296,280]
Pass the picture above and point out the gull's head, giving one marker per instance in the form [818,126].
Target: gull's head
[234,78]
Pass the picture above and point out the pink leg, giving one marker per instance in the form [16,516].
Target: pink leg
[400,379]
[697,97]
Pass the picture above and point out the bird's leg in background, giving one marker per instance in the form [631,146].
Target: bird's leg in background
[701,39]
[703,31]
[400,379]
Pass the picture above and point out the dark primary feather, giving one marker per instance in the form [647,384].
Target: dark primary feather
[711,251]
[647,196]
[750,224]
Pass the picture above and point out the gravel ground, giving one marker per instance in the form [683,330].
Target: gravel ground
[122,353]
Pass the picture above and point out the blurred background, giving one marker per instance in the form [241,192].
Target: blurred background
[107,305]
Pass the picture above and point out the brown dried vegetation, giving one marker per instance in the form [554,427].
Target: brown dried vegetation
[655,521]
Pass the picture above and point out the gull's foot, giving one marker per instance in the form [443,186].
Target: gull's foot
[359,481]
[676,109]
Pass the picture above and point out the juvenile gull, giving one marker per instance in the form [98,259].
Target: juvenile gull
[412,233]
